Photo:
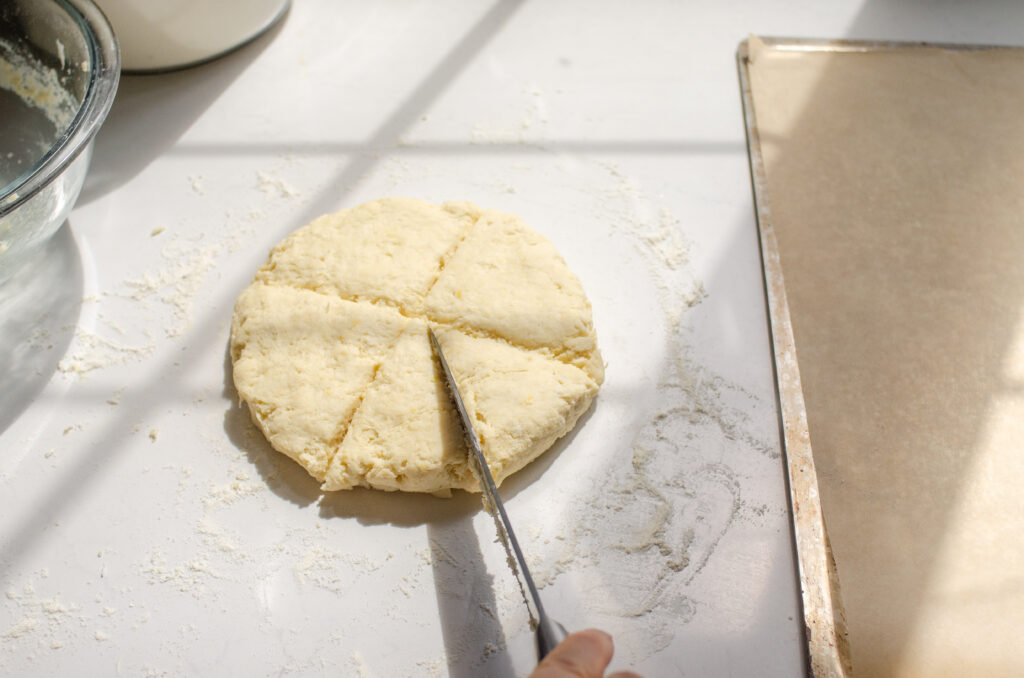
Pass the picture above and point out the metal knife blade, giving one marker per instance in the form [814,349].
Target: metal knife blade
[549,632]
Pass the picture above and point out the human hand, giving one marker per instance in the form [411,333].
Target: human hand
[584,654]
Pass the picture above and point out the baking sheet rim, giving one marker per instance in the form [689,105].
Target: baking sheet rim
[824,642]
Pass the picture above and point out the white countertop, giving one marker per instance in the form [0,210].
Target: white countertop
[146,527]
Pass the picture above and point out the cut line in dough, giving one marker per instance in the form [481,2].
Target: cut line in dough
[330,350]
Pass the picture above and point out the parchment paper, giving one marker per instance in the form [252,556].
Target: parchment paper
[895,181]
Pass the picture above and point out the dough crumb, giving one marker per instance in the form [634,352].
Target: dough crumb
[22,628]
[272,185]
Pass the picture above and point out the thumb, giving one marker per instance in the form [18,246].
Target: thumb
[584,654]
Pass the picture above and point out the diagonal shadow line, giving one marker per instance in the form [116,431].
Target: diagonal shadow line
[76,479]
[41,301]
[466,601]
[388,135]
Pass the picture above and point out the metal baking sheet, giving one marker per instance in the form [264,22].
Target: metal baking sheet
[825,618]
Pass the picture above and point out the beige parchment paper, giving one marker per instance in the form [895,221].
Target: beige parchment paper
[895,182]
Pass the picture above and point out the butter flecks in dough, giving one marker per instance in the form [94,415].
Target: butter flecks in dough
[386,250]
[331,354]
[406,409]
[508,281]
[521,402]
[302,361]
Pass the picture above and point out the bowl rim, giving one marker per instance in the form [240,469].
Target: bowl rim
[104,74]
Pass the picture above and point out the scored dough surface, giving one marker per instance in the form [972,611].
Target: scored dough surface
[330,350]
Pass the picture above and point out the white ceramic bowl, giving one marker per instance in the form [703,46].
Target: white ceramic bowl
[59,69]
[159,35]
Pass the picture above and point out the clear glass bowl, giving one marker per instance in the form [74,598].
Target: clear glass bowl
[59,69]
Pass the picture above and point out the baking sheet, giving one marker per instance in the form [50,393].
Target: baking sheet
[147,529]
[887,182]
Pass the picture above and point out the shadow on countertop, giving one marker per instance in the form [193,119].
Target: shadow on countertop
[39,309]
[152,111]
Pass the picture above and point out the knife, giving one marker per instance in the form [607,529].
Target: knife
[549,632]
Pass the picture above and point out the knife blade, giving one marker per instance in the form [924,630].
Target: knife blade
[549,632]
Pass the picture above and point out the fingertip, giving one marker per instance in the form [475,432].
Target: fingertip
[602,637]
[583,653]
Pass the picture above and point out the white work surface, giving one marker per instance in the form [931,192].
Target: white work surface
[147,529]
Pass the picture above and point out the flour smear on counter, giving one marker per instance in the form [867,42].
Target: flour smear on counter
[656,531]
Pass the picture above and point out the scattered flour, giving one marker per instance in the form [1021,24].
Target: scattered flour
[90,351]
[332,570]
[140,299]
[359,665]
[214,535]
[432,668]
[23,627]
[661,240]
[43,623]
[241,486]
[274,186]
[40,338]
[191,576]
[530,129]
[175,285]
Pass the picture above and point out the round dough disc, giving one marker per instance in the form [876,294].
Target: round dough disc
[330,349]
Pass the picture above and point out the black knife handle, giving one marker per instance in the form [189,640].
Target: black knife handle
[549,634]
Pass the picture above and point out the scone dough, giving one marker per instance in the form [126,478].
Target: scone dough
[330,350]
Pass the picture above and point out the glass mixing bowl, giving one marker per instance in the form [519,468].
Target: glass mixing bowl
[59,68]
